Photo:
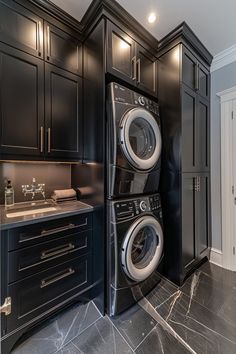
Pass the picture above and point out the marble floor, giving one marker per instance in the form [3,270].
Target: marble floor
[199,317]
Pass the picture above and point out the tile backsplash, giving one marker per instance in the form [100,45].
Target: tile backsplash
[55,176]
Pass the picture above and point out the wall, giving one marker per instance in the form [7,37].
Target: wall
[55,176]
[221,80]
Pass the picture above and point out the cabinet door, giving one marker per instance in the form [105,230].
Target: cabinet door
[189,69]
[120,54]
[21,103]
[202,210]
[21,29]
[203,81]
[189,130]
[62,50]
[63,108]
[146,71]
[203,134]
[188,219]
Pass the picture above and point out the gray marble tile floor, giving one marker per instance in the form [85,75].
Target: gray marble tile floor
[197,318]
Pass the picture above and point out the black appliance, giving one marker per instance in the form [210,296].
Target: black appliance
[133,143]
[134,250]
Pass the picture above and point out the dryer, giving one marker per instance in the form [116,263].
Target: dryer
[134,250]
[133,143]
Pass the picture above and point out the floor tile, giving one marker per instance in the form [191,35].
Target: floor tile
[224,276]
[70,348]
[162,292]
[102,338]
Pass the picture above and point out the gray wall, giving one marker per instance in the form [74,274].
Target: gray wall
[221,80]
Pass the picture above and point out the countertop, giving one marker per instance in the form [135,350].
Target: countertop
[62,210]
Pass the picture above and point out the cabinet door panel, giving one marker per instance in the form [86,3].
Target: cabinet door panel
[188,219]
[146,71]
[189,69]
[189,129]
[22,103]
[203,120]
[62,49]
[63,112]
[203,215]
[21,29]
[204,81]
[120,51]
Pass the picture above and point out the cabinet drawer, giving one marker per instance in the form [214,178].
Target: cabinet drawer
[31,260]
[42,232]
[40,293]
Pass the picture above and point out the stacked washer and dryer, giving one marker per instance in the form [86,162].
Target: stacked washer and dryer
[134,215]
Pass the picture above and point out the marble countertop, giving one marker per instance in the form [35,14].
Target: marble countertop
[60,210]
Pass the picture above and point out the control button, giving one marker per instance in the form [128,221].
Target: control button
[143,205]
[141,100]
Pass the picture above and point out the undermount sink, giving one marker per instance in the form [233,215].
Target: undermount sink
[30,208]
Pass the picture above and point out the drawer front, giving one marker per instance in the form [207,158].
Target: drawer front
[31,260]
[38,294]
[42,232]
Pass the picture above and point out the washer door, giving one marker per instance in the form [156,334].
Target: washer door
[140,138]
[142,248]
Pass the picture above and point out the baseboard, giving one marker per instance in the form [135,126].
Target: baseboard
[216,257]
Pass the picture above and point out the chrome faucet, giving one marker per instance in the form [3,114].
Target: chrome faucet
[33,189]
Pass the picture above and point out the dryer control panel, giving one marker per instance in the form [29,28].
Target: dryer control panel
[129,208]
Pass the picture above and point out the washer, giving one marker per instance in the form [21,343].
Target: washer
[133,143]
[135,250]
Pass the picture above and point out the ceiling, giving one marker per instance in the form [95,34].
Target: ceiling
[213,21]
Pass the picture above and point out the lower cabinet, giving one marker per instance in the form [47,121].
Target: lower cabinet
[44,266]
[186,225]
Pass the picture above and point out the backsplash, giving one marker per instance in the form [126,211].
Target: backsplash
[55,176]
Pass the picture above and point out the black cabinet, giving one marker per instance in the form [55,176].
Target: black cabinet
[22,103]
[63,113]
[129,61]
[21,28]
[62,50]
[183,89]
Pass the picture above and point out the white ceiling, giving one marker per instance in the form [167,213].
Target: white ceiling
[213,21]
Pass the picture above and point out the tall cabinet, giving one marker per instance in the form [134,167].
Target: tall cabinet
[184,97]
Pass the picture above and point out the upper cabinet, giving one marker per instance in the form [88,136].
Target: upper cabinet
[129,61]
[62,50]
[21,28]
[194,73]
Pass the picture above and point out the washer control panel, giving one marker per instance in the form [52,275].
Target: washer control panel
[133,207]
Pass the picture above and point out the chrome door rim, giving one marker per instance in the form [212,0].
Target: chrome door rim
[126,122]
[130,269]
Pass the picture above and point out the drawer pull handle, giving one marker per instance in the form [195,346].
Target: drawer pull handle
[56,251]
[54,231]
[51,280]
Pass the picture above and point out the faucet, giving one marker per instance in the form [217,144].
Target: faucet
[33,189]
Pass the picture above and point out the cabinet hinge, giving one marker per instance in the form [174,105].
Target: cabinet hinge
[234,250]
[6,307]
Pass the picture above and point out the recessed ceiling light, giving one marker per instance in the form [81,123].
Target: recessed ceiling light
[152,17]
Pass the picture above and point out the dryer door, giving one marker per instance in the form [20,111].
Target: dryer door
[140,138]
[142,248]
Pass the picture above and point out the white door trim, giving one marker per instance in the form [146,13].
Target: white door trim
[226,97]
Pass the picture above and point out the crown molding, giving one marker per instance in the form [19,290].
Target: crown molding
[223,58]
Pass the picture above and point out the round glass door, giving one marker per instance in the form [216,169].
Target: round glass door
[140,138]
[142,248]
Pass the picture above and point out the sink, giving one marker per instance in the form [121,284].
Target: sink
[30,208]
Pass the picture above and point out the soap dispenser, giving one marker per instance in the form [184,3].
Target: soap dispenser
[9,194]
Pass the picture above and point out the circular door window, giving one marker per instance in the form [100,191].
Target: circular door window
[142,248]
[140,138]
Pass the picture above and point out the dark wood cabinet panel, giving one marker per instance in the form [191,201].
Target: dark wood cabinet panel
[62,49]
[203,134]
[146,71]
[21,28]
[63,109]
[22,103]
[189,129]
[188,220]
[120,54]
[203,214]
[189,69]
[204,81]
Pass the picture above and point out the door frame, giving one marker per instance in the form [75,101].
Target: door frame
[227,193]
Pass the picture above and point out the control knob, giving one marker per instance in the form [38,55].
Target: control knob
[143,205]
[141,100]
